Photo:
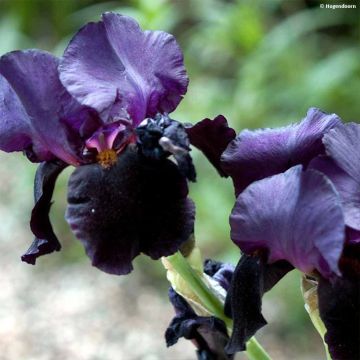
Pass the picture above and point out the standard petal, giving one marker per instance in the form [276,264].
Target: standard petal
[343,146]
[137,205]
[212,137]
[294,216]
[347,186]
[256,154]
[112,66]
[45,240]
[34,106]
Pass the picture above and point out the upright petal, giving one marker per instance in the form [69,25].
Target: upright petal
[34,105]
[347,186]
[343,146]
[137,205]
[256,154]
[114,65]
[212,137]
[294,216]
[45,240]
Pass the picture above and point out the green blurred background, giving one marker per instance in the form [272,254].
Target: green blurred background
[261,63]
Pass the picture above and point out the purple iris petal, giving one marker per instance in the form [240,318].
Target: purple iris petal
[212,137]
[113,64]
[33,106]
[346,185]
[220,272]
[45,240]
[110,136]
[254,155]
[343,146]
[295,216]
[136,205]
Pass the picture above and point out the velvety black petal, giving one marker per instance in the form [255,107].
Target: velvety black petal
[137,205]
[208,333]
[212,137]
[339,306]
[45,240]
[251,279]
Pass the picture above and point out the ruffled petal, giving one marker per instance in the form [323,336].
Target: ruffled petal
[295,216]
[112,66]
[257,154]
[212,137]
[208,333]
[34,106]
[45,240]
[343,146]
[346,185]
[137,205]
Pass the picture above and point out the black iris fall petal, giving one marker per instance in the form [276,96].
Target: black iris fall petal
[339,302]
[45,240]
[139,205]
[251,279]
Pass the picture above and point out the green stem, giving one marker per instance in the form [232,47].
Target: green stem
[254,350]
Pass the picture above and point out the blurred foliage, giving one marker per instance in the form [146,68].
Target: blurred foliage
[261,63]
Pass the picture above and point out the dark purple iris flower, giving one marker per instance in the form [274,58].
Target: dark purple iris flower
[104,108]
[298,207]
[208,334]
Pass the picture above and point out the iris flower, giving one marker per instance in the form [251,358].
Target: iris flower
[297,206]
[103,108]
[208,334]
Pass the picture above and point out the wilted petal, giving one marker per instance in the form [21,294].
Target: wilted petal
[347,186]
[257,154]
[340,311]
[34,106]
[114,64]
[295,216]
[208,333]
[220,272]
[137,205]
[212,137]
[45,240]
[251,279]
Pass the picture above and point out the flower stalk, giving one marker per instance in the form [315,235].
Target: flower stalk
[181,266]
